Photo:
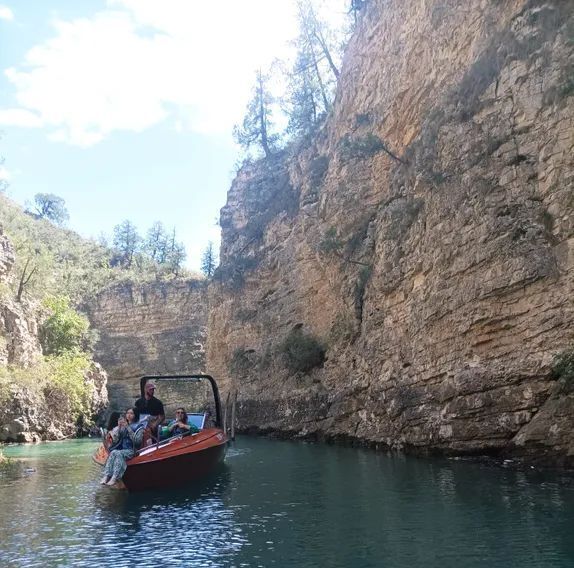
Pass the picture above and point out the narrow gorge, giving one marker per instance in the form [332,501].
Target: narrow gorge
[401,279]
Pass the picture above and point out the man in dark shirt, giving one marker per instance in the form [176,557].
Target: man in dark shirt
[149,404]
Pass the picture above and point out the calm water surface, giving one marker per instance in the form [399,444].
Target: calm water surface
[286,504]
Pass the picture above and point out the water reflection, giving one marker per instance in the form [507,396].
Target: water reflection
[287,504]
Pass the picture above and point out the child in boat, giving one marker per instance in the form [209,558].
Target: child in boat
[181,424]
[126,440]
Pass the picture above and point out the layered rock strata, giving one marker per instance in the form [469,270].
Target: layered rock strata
[425,236]
[147,329]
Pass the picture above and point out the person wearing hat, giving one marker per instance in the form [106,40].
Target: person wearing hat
[149,404]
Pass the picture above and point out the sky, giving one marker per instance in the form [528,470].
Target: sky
[125,108]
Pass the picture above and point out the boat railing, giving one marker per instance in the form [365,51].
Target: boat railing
[163,443]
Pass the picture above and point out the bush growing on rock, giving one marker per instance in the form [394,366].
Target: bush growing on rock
[66,376]
[65,329]
[563,369]
[57,382]
[301,351]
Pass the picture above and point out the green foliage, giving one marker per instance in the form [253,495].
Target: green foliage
[68,265]
[59,379]
[51,207]
[66,374]
[301,351]
[563,369]
[331,243]
[126,243]
[64,329]
[303,101]
[360,147]
[257,126]
[209,260]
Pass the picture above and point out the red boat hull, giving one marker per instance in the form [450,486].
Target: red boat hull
[175,463]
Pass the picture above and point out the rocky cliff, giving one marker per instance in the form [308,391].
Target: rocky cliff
[30,411]
[422,243]
[146,329]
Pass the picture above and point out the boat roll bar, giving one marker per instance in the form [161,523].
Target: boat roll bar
[193,378]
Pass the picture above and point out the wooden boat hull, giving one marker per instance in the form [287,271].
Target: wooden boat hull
[175,463]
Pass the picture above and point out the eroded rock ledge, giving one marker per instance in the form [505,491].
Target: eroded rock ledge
[446,286]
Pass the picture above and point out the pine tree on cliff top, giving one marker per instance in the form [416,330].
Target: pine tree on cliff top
[208,260]
[257,127]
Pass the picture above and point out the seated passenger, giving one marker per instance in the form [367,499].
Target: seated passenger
[181,425]
[126,440]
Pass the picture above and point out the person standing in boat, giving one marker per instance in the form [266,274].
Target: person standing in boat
[126,440]
[149,404]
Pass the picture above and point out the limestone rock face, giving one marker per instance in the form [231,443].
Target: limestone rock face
[148,329]
[425,236]
[19,344]
[32,415]
[7,257]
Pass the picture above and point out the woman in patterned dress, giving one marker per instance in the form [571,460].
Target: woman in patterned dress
[126,440]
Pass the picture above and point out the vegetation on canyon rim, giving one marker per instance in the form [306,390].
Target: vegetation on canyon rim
[51,260]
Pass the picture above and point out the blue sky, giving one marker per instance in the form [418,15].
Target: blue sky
[125,107]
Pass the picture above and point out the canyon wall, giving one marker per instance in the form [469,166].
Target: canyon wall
[29,410]
[424,237]
[146,329]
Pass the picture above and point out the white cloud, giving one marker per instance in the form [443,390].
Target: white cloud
[140,62]
[6,13]
[19,117]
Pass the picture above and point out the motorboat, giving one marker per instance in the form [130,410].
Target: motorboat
[179,459]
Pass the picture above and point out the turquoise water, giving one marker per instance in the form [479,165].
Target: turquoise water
[286,504]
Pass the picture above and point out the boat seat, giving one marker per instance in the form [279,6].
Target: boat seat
[197,419]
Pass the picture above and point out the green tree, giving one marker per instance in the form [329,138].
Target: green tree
[175,254]
[64,330]
[209,260]
[257,127]
[313,77]
[126,242]
[303,102]
[156,242]
[51,207]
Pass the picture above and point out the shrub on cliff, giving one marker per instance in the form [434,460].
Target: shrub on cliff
[66,381]
[65,329]
[563,369]
[57,382]
[301,351]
